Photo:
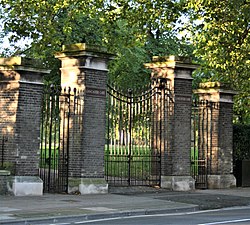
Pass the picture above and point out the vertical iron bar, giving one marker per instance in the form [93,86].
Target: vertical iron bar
[160,135]
[207,148]
[112,123]
[193,146]
[67,153]
[115,124]
[50,138]
[211,140]
[62,155]
[41,166]
[2,151]
[120,157]
[136,139]
[121,137]
[162,113]
[54,140]
[107,161]
[48,99]
[130,135]
[59,137]
[194,133]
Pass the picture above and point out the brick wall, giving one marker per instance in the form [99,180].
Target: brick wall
[225,138]
[8,104]
[94,124]
[27,132]
[182,127]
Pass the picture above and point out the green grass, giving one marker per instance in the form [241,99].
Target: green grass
[139,164]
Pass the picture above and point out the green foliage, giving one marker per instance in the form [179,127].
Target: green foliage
[215,31]
[220,33]
[127,70]
[124,27]
[241,142]
[49,24]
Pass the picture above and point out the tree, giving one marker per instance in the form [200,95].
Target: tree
[220,34]
[128,28]
[49,24]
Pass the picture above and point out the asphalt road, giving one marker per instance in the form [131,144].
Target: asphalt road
[230,216]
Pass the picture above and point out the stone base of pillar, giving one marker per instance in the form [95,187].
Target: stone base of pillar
[221,181]
[26,186]
[178,183]
[88,185]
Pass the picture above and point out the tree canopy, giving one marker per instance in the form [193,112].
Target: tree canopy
[220,34]
[214,32]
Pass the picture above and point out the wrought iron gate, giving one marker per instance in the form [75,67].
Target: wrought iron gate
[201,140]
[135,136]
[54,147]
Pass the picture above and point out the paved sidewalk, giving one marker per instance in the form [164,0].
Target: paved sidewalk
[56,208]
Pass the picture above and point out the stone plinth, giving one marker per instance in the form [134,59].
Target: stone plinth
[178,183]
[27,185]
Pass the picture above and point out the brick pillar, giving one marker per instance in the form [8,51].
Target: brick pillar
[176,157]
[221,159]
[21,91]
[84,67]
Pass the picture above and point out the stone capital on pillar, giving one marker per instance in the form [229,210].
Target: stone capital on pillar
[215,92]
[77,58]
[20,69]
[171,67]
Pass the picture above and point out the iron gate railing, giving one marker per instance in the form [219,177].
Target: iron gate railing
[54,147]
[201,140]
[135,136]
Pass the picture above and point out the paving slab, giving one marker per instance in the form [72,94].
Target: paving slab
[124,202]
[26,208]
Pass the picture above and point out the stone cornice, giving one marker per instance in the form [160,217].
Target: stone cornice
[23,68]
[83,49]
[171,62]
